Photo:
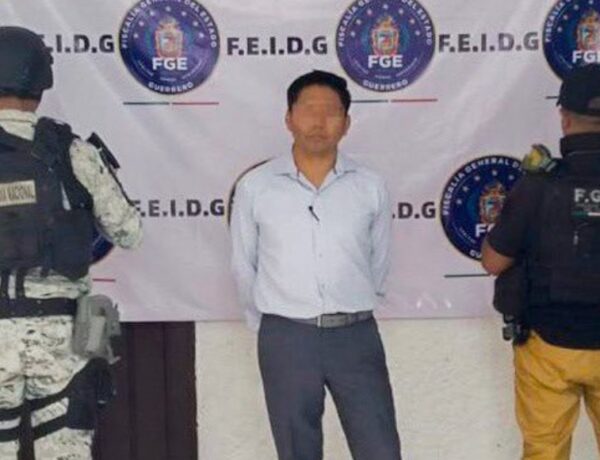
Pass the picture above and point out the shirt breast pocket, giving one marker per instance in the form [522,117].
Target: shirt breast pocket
[351,223]
[282,222]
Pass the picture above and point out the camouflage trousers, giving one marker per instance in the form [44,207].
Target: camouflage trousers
[37,364]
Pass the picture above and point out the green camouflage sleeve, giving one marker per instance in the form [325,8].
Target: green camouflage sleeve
[116,217]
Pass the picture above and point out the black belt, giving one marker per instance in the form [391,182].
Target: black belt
[26,307]
[331,320]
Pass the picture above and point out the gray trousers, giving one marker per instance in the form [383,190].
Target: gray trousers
[298,361]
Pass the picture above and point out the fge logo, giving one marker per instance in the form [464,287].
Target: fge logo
[385,45]
[473,199]
[170,63]
[572,35]
[385,62]
[171,46]
[168,38]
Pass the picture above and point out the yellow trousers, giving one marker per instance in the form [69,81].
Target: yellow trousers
[549,383]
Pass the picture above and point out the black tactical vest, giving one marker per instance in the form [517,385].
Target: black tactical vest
[38,227]
[565,265]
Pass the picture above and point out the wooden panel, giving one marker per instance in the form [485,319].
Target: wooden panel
[181,391]
[148,395]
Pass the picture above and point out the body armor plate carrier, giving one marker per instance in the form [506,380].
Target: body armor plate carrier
[46,217]
[566,268]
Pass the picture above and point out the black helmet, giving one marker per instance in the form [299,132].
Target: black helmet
[25,63]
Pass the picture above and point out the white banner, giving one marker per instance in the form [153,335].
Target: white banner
[187,95]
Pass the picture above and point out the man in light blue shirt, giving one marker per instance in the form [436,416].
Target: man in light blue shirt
[310,235]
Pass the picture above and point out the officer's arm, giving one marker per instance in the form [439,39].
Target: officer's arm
[507,242]
[115,215]
[493,262]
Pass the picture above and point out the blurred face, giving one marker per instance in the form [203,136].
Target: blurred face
[317,121]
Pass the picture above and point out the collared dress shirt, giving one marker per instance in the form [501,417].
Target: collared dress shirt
[116,217]
[299,251]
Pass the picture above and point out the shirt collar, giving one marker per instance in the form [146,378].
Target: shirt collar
[284,165]
[581,153]
[579,142]
[18,116]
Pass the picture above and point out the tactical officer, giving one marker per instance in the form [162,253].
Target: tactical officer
[550,225]
[54,188]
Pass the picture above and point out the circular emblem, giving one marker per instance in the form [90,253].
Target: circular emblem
[473,198]
[169,46]
[385,45]
[101,247]
[572,35]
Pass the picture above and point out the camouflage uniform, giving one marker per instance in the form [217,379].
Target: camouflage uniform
[36,360]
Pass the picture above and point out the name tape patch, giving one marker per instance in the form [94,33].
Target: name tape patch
[586,202]
[17,193]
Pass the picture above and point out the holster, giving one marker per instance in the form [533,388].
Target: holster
[511,298]
[96,326]
[511,291]
[515,330]
[88,391]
